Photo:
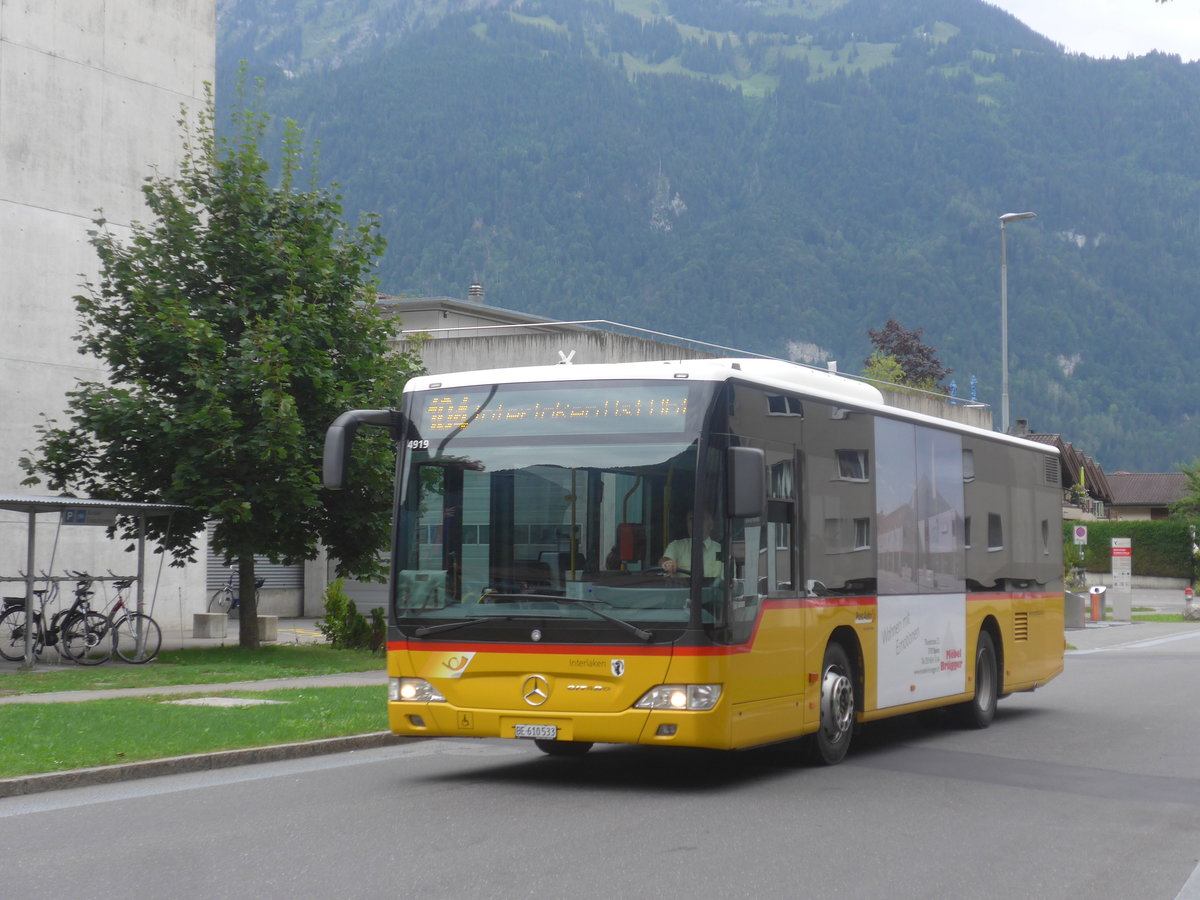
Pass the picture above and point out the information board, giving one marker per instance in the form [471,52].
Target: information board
[1122,564]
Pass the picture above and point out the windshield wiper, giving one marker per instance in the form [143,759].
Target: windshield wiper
[639,633]
[425,630]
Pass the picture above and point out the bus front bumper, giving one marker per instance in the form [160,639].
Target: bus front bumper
[708,729]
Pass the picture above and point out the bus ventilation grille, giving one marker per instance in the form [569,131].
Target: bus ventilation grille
[1051,472]
[1021,626]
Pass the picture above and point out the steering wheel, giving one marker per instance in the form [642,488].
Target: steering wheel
[659,570]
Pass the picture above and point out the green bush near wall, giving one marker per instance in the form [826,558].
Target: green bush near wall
[1162,548]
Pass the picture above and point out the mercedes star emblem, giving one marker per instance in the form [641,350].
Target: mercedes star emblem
[535,690]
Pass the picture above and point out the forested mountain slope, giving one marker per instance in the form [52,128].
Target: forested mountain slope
[778,176]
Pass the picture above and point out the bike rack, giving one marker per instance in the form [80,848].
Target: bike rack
[77,511]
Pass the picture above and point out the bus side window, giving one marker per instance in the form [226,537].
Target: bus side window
[776,536]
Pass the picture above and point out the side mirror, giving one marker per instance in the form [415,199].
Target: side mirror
[747,483]
[339,441]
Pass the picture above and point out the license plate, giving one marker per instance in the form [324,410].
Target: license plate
[537,732]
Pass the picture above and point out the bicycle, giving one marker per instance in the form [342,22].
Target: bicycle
[12,622]
[136,636]
[224,599]
[83,633]
[76,632]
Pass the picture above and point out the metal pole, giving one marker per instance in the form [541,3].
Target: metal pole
[141,561]
[29,558]
[1007,217]
[139,634]
[1003,331]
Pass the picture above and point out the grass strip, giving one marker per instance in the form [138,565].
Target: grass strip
[199,665]
[54,737]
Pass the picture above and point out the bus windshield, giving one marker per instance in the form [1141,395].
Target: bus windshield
[516,505]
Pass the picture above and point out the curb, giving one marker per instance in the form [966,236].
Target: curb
[197,762]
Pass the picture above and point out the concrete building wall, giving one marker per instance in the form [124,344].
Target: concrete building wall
[90,97]
[502,349]
[447,317]
[975,414]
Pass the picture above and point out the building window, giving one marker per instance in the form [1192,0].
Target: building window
[852,465]
[783,536]
[783,482]
[862,534]
[780,405]
[995,532]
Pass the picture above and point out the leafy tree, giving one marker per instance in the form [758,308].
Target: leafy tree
[916,360]
[883,368]
[234,327]
[1188,506]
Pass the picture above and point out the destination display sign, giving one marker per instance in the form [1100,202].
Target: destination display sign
[569,408]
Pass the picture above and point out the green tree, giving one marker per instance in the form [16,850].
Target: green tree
[1187,507]
[883,368]
[234,328]
[916,360]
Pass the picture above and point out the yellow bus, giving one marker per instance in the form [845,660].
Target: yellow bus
[718,553]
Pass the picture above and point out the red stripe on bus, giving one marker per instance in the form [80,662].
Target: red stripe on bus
[549,649]
[779,603]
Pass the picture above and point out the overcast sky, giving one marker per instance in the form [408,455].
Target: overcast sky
[1113,27]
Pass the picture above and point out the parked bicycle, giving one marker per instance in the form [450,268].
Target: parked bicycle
[136,636]
[13,619]
[225,600]
[78,633]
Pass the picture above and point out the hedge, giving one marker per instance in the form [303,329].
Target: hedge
[1162,548]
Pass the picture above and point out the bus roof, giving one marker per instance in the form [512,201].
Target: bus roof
[818,384]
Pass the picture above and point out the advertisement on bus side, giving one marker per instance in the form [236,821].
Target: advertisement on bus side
[922,645]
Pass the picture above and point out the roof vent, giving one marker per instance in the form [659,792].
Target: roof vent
[475,293]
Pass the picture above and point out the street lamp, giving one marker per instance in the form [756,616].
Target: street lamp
[1005,219]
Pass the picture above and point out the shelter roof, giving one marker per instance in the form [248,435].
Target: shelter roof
[28,503]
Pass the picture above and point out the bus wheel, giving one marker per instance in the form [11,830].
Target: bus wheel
[979,712]
[829,745]
[563,748]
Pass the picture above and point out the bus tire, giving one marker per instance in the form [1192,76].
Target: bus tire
[979,711]
[831,742]
[563,748]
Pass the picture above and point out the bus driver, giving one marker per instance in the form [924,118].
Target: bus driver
[677,557]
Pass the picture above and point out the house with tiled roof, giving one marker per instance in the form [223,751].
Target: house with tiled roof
[1144,496]
[1087,492]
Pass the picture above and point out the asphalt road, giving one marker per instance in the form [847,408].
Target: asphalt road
[1086,789]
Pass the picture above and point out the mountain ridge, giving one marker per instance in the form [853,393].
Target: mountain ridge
[788,188]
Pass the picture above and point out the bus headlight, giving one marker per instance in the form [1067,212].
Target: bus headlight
[413,690]
[680,696]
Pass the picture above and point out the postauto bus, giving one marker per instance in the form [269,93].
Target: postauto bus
[846,560]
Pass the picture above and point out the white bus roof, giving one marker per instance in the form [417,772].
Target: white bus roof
[781,375]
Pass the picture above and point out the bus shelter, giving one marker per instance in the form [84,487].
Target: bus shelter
[77,511]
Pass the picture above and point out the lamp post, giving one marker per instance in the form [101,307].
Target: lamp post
[1004,220]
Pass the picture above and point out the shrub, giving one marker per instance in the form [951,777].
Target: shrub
[347,628]
[1162,547]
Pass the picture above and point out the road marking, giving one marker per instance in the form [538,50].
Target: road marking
[1191,888]
[1138,645]
[170,783]
[1170,638]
